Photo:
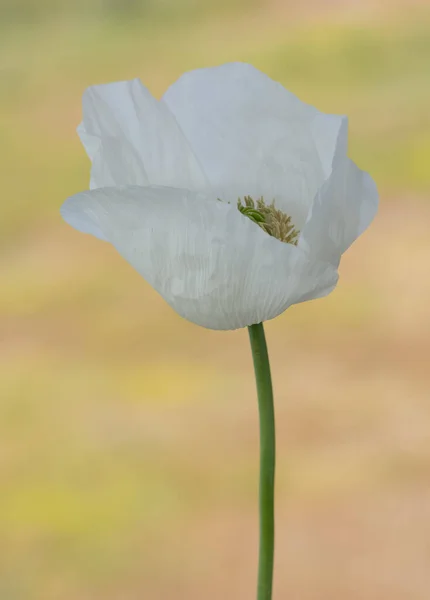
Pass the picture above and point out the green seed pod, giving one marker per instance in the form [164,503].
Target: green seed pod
[253,214]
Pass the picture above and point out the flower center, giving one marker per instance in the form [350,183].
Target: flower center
[270,219]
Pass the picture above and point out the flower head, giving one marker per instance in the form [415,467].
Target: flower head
[230,196]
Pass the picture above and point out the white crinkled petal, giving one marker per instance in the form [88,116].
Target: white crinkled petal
[214,266]
[248,131]
[326,133]
[342,209]
[133,139]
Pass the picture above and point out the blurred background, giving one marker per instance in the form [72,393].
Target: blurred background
[129,437]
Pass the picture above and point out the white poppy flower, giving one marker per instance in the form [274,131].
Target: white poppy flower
[167,175]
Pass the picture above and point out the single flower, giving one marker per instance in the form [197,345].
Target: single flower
[230,196]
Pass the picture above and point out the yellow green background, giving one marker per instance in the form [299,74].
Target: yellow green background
[129,437]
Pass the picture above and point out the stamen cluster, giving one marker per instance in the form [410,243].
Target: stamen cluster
[272,220]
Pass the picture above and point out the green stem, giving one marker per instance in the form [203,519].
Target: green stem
[267,460]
